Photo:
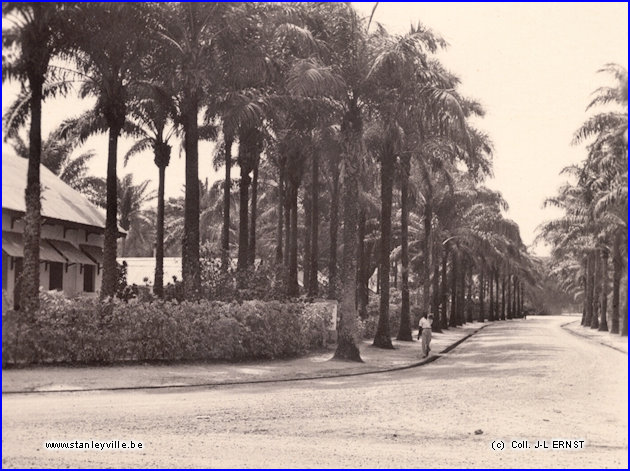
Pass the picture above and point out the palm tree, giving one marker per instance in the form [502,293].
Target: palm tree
[347,45]
[387,147]
[56,156]
[109,61]
[152,115]
[394,62]
[30,42]
[131,199]
[595,207]
[194,36]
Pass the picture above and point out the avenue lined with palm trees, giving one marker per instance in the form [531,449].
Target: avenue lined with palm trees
[337,203]
[307,100]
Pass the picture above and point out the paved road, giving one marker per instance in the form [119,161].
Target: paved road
[518,380]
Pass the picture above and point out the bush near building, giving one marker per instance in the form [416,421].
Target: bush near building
[87,331]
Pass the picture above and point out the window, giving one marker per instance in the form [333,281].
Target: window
[88,278]
[56,276]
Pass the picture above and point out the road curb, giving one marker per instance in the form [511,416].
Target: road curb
[591,338]
[422,362]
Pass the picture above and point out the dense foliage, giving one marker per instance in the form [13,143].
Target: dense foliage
[590,240]
[355,151]
[86,330]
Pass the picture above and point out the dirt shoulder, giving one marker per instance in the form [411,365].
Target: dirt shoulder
[614,341]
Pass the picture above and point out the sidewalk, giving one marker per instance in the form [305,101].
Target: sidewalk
[317,365]
[614,341]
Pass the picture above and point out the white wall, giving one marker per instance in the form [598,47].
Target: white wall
[73,275]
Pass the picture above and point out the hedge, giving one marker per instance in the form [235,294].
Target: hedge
[83,331]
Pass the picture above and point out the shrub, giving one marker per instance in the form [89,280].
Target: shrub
[370,323]
[85,330]
[260,282]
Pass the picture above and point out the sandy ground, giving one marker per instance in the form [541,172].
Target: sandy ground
[615,341]
[519,380]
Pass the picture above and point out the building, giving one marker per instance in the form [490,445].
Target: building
[71,248]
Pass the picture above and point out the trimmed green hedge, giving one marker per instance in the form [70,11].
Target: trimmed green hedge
[89,331]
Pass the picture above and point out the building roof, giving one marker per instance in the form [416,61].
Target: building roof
[59,200]
[13,245]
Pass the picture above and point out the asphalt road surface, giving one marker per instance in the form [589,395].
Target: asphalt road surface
[515,382]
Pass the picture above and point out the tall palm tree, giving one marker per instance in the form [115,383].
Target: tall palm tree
[594,222]
[28,45]
[386,145]
[393,62]
[109,62]
[152,114]
[194,36]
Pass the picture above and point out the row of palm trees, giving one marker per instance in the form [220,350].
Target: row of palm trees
[308,100]
[589,240]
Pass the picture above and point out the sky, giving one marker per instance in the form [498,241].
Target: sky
[533,66]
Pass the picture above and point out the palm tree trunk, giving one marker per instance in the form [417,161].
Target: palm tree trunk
[469,302]
[452,321]
[191,274]
[428,217]
[584,280]
[519,307]
[293,289]
[444,289]
[437,321]
[280,220]
[306,256]
[461,293]
[347,339]
[603,321]
[243,230]
[158,282]
[493,295]
[589,290]
[110,269]
[514,288]
[495,304]
[334,230]
[313,288]
[482,314]
[404,331]
[597,289]
[367,274]
[251,247]
[509,296]
[497,284]
[617,268]
[361,267]
[29,295]
[521,299]
[287,229]
[503,297]
[382,338]
[227,184]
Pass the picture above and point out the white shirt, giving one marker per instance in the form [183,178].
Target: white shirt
[425,323]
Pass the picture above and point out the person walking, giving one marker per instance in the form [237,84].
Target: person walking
[425,326]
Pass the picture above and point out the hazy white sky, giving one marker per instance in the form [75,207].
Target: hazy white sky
[532,65]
